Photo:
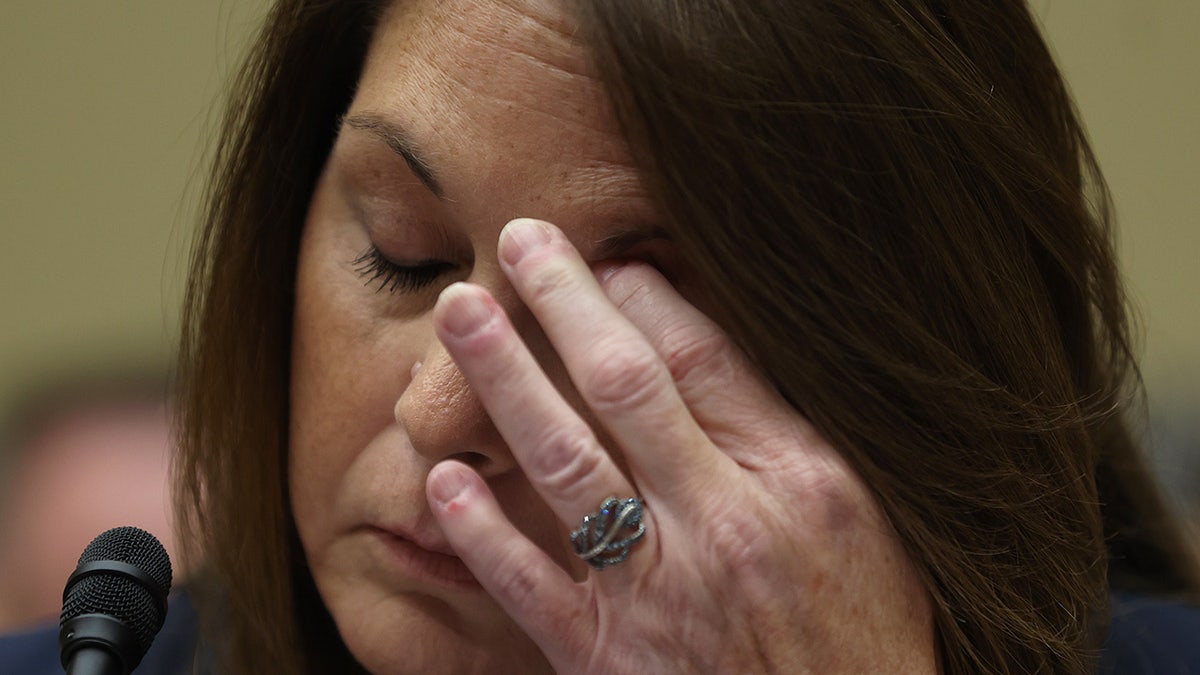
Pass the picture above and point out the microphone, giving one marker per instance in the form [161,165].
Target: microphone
[114,603]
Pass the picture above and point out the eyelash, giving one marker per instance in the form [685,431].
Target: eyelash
[376,269]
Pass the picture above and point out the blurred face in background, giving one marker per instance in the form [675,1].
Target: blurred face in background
[87,468]
[468,114]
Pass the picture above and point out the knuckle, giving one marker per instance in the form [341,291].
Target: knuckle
[741,545]
[693,354]
[546,281]
[628,289]
[518,582]
[565,462]
[624,379]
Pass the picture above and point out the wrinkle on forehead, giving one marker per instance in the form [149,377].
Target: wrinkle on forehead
[497,48]
[540,29]
[500,95]
[551,20]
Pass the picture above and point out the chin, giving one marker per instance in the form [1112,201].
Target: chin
[416,633]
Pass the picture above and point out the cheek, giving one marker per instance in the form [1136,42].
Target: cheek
[348,368]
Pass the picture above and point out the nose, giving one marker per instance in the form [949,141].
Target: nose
[444,419]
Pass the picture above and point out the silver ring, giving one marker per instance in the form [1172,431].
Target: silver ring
[605,537]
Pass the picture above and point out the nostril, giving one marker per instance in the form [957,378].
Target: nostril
[475,460]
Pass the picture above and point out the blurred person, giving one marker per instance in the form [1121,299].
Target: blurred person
[82,456]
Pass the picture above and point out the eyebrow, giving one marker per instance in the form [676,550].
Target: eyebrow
[401,143]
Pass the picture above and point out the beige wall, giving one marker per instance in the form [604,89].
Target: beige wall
[102,109]
[1134,67]
[103,106]
[1135,70]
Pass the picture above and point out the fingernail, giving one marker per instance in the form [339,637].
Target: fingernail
[465,311]
[521,237]
[446,484]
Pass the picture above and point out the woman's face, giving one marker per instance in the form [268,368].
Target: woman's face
[468,114]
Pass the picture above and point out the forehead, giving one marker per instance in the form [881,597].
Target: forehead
[500,97]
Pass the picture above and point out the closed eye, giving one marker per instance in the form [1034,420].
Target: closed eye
[376,270]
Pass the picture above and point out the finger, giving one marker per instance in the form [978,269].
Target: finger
[556,449]
[727,395]
[531,588]
[617,372]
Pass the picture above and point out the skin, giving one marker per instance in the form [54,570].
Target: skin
[541,369]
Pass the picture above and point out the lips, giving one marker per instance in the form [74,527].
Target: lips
[426,559]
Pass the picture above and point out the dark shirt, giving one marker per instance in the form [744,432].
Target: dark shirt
[1147,636]
[35,651]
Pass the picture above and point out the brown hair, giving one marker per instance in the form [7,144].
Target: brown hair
[890,199]
[255,596]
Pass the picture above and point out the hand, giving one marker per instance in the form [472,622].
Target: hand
[763,551]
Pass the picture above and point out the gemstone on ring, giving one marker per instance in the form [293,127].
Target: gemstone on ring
[605,537]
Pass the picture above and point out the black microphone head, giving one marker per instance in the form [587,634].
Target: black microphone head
[124,574]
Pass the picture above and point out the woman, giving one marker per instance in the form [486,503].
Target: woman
[815,291]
